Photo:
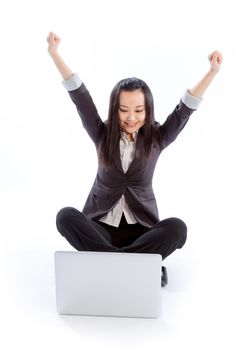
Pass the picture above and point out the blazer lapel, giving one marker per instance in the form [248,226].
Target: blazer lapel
[117,160]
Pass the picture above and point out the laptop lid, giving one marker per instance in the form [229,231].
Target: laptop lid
[108,283]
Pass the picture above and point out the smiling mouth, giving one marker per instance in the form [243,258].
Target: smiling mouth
[130,125]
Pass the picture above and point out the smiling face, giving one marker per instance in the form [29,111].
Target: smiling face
[131,112]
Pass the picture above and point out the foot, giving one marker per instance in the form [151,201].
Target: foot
[163,276]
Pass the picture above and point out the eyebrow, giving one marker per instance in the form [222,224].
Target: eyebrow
[127,106]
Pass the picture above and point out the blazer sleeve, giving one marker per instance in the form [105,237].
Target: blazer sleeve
[177,120]
[86,108]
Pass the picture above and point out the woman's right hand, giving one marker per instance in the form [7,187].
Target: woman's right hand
[53,41]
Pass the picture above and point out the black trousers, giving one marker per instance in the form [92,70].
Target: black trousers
[86,234]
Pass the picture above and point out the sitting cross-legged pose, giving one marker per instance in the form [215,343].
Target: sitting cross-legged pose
[120,213]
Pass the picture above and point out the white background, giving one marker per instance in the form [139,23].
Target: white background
[48,162]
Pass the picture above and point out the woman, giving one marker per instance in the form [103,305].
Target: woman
[120,213]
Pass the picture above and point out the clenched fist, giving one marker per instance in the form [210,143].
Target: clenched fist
[53,41]
[215,59]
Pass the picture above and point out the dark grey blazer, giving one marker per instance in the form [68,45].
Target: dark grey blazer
[136,183]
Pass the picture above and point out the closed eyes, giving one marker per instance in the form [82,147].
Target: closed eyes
[122,110]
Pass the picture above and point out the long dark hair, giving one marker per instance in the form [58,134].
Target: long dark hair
[111,136]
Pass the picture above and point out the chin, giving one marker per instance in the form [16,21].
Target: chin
[131,129]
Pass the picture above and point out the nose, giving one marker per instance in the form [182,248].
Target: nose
[131,117]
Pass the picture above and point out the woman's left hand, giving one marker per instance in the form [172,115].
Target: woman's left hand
[215,60]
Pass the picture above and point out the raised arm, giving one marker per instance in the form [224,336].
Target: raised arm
[78,92]
[189,103]
[54,41]
[215,60]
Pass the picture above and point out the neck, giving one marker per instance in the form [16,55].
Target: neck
[130,137]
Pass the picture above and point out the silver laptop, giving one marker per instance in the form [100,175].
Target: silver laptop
[108,283]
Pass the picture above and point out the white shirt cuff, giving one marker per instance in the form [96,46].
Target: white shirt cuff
[190,100]
[72,83]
